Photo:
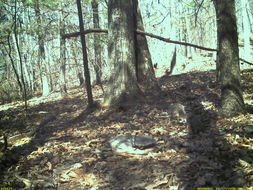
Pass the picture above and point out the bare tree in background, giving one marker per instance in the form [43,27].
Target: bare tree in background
[97,47]
[42,56]
[63,86]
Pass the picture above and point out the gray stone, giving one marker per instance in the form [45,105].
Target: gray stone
[132,144]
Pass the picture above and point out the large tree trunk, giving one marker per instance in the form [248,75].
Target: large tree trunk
[121,49]
[97,47]
[145,71]
[228,69]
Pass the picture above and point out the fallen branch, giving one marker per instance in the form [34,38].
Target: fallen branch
[76,34]
[243,60]
[174,42]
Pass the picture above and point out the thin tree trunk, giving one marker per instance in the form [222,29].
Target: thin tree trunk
[97,47]
[42,57]
[48,64]
[27,51]
[13,65]
[63,86]
[246,30]
[79,73]
[184,30]
[228,70]
[20,57]
[85,56]
[188,30]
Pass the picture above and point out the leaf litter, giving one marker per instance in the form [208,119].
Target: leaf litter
[60,145]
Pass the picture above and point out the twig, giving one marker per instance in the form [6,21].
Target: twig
[243,60]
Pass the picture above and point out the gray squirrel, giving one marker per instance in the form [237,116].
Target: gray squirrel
[177,113]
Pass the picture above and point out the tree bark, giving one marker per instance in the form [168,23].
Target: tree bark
[42,56]
[228,69]
[246,30]
[79,73]
[85,56]
[123,81]
[63,86]
[145,71]
[20,58]
[13,64]
[97,47]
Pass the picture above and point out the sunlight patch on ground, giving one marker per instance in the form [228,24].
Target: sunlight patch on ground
[208,105]
[22,141]
[34,101]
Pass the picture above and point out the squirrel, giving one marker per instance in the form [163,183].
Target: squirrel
[177,113]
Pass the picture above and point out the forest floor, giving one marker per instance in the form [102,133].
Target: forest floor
[58,144]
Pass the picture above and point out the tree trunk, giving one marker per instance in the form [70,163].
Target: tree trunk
[13,64]
[20,58]
[79,73]
[97,47]
[228,70]
[188,31]
[121,48]
[145,71]
[246,31]
[85,56]
[63,87]
[42,57]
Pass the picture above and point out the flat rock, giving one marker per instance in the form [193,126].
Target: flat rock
[132,144]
